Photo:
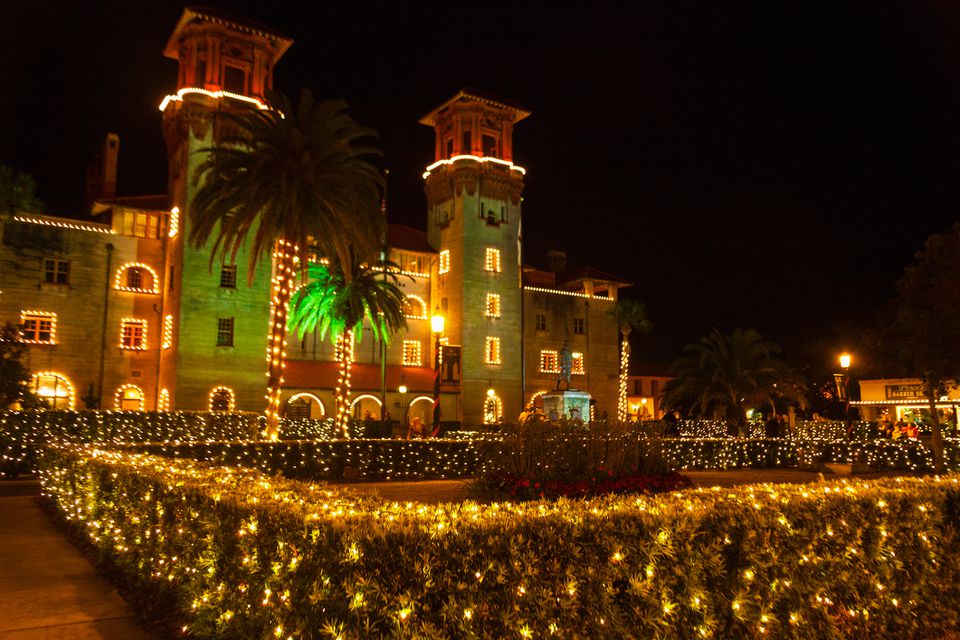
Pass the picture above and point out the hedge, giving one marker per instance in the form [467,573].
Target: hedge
[337,460]
[238,554]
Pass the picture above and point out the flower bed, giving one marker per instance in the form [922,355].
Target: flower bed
[239,554]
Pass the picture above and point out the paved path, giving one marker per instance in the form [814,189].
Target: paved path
[48,590]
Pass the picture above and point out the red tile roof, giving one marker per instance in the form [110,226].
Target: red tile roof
[310,374]
[408,239]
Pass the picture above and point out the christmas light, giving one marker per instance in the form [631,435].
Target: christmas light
[38,327]
[444,264]
[415,307]
[491,350]
[178,97]
[122,278]
[561,292]
[411,353]
[491,261]
[167,332]
[127,392]
[163,404]
[174,222]
[133,334]
[439,163]
[37,383]
[61,224]
[493,305]
[217,394]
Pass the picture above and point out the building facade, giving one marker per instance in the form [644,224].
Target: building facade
[122,311]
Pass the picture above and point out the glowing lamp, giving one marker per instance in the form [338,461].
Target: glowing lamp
[402,388]
[436,323]
[491,393]
[845,360]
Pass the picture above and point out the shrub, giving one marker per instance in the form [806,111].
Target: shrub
[243,555]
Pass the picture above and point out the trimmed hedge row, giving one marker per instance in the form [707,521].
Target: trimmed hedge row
[241,555]
[338,460]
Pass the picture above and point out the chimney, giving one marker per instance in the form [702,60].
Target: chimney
[102,172]
[556,260]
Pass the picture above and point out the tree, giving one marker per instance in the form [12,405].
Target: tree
[14,377]
[729,373]
[337,302]
[630,316]
[924,336]
[17,192]
[289,182]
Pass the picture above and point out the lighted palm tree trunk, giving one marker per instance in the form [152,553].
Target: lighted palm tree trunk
[284,260]
[344,355]
[622,413]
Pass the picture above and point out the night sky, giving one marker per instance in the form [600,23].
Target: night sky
[772,165]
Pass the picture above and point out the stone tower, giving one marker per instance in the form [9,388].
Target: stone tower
[473,206]
[217,324]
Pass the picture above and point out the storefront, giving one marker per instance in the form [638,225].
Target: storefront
[903,399]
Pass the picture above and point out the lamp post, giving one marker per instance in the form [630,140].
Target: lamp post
[436,325]
[843,386]
[403,404]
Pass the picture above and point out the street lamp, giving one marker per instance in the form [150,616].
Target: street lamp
[403,407]
[436,325]
[843,386]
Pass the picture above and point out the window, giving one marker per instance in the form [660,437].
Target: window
[492,351]
[56,271]
[222,399]
[54,389]
[129,397]
[492,263]
[579,326]
[489,145]
[224,332]
[414,307]
[141,224]
[411,353]
[549,361]
[234,79]
[577,365]
[167,332]
[493,305]
[541,322]
[445,261]
[228,276]
[466,143]
[492,408]
[134,278]
[38,327]
[133,334]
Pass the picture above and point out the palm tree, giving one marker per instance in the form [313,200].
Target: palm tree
[728,373]
[288,182]
[630,316]
[337,301]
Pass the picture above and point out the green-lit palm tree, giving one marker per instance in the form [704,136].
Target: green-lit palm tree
[729,373]
[630,316]
[337,301]
[287,182]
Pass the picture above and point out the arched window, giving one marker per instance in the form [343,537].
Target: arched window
[492,408]
[304,405]
[137,277]
[414,307]
[53,389]
[222,399]
[129,397]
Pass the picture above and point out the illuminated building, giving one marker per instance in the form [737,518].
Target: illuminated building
[122,309]
[903,399]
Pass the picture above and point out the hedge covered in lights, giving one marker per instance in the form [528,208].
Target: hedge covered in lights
[237,554]
[338,460]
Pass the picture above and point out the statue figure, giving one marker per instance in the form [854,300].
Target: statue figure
[566,366]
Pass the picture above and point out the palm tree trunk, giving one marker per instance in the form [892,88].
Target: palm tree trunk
[936,440]
[283,263]
[622,413]
[344,355]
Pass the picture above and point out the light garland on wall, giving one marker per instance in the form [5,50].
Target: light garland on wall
[216,392]
[39,317]
[412,353]
[305,394]
[178,97]
[491,262]
[577,366]
[174,222]
[163,404]
[561,292]
[493,305]
[492,350]
[167,331]
[119,281]
[492,408]
[622,410]
[549,361]
[48,222]
[472,158]
[133,323]
[444,262]
[60,378]
[121,395]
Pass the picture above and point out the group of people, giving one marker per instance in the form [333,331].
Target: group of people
[899,429]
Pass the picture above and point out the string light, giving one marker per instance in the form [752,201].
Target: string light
[48,392]
[562,292]
[174,222]
[482,160]
[178,97]
[492,260]
[61,224]
[286,262]
[491,350]
[167,331]
[622,413]
[133,334]
[444,264]
[163,404]
[216,396]
[409,312]
[121,278]
[493,305]
[38,323]
[412,353]
[128,392]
